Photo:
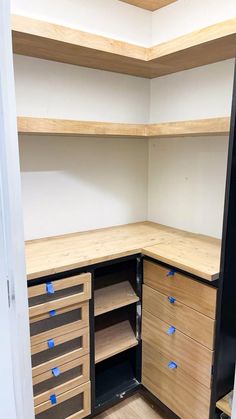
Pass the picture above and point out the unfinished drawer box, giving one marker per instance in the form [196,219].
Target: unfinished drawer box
[59,372]
[191,357]
[184,395]
[58,294]
[74,402]
[181,317]
[184,289]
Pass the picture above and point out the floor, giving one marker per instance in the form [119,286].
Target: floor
[135,407]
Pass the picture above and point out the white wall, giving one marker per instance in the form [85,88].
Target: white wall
[187,176]
[76,184]
[56,90]
[185,16]
[110,18]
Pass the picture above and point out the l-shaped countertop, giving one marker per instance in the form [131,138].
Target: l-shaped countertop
[194,253]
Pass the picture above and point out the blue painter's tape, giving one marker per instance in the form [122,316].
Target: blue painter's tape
[171,273]
[172,300]
[52,313]
[51,343]
[172,365]
[56,372]
[171,330]
[53,399]
[49,288]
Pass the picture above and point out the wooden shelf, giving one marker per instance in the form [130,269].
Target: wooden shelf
[44,126]
[151,5]
[45,40]
[224,404]
[114,339]
[114,296]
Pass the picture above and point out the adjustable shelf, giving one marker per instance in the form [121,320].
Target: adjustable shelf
[45,126]
[114,296]
[45,40]
[151,5]
[114,339]
[225,404]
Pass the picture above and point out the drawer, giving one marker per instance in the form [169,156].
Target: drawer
[191,357]
[62,321]
[191,322]
[185,396]
[57,374]
[58,294]
[77,340]
[192,293]
[74,402]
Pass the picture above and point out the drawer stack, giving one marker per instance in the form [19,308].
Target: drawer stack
[59,329]
[178,340]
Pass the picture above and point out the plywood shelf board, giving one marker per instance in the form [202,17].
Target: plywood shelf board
[114,296]
[225,404]
[58,43]
[191,252]
[46,126]
[114,339]
[151,5]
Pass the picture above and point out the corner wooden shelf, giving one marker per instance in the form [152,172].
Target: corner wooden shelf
[44,126]
[114,296]
[114,339]
[151,5]
[45,40]
[224,404]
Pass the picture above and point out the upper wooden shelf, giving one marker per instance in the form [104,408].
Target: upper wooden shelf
[114,296]
[193,253]
[225,404]
[45,40]
[211,126]
[151,5]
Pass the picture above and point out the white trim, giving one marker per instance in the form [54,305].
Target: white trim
[14,311]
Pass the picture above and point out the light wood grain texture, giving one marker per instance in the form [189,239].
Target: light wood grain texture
[57,254]
[191,357]
[58,43]
[114,296]
[135,407]
[86,404]
[58,340]
[62,284]
[42,369]
[64,393]
[192,323]
[195,254]
[201,127]
[225,404]
[114,339]
[192,293]
[151,5]
[66,328]
[45,126]
[184,395]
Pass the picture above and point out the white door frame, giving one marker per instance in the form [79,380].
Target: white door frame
[16,399]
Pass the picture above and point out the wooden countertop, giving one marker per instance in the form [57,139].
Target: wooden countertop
[194,253]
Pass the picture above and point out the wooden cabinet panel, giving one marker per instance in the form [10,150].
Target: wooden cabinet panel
[184,395]
[191,357]
[184,289]
[191,322]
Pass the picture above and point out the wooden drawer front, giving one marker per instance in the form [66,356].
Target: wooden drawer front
[74,402]
[192,293]
[57,374]
[192,323]
[191,357]
[185,396]
[60,323]
[58,294]
[46,351]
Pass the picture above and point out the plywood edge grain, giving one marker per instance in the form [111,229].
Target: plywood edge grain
[47,126]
